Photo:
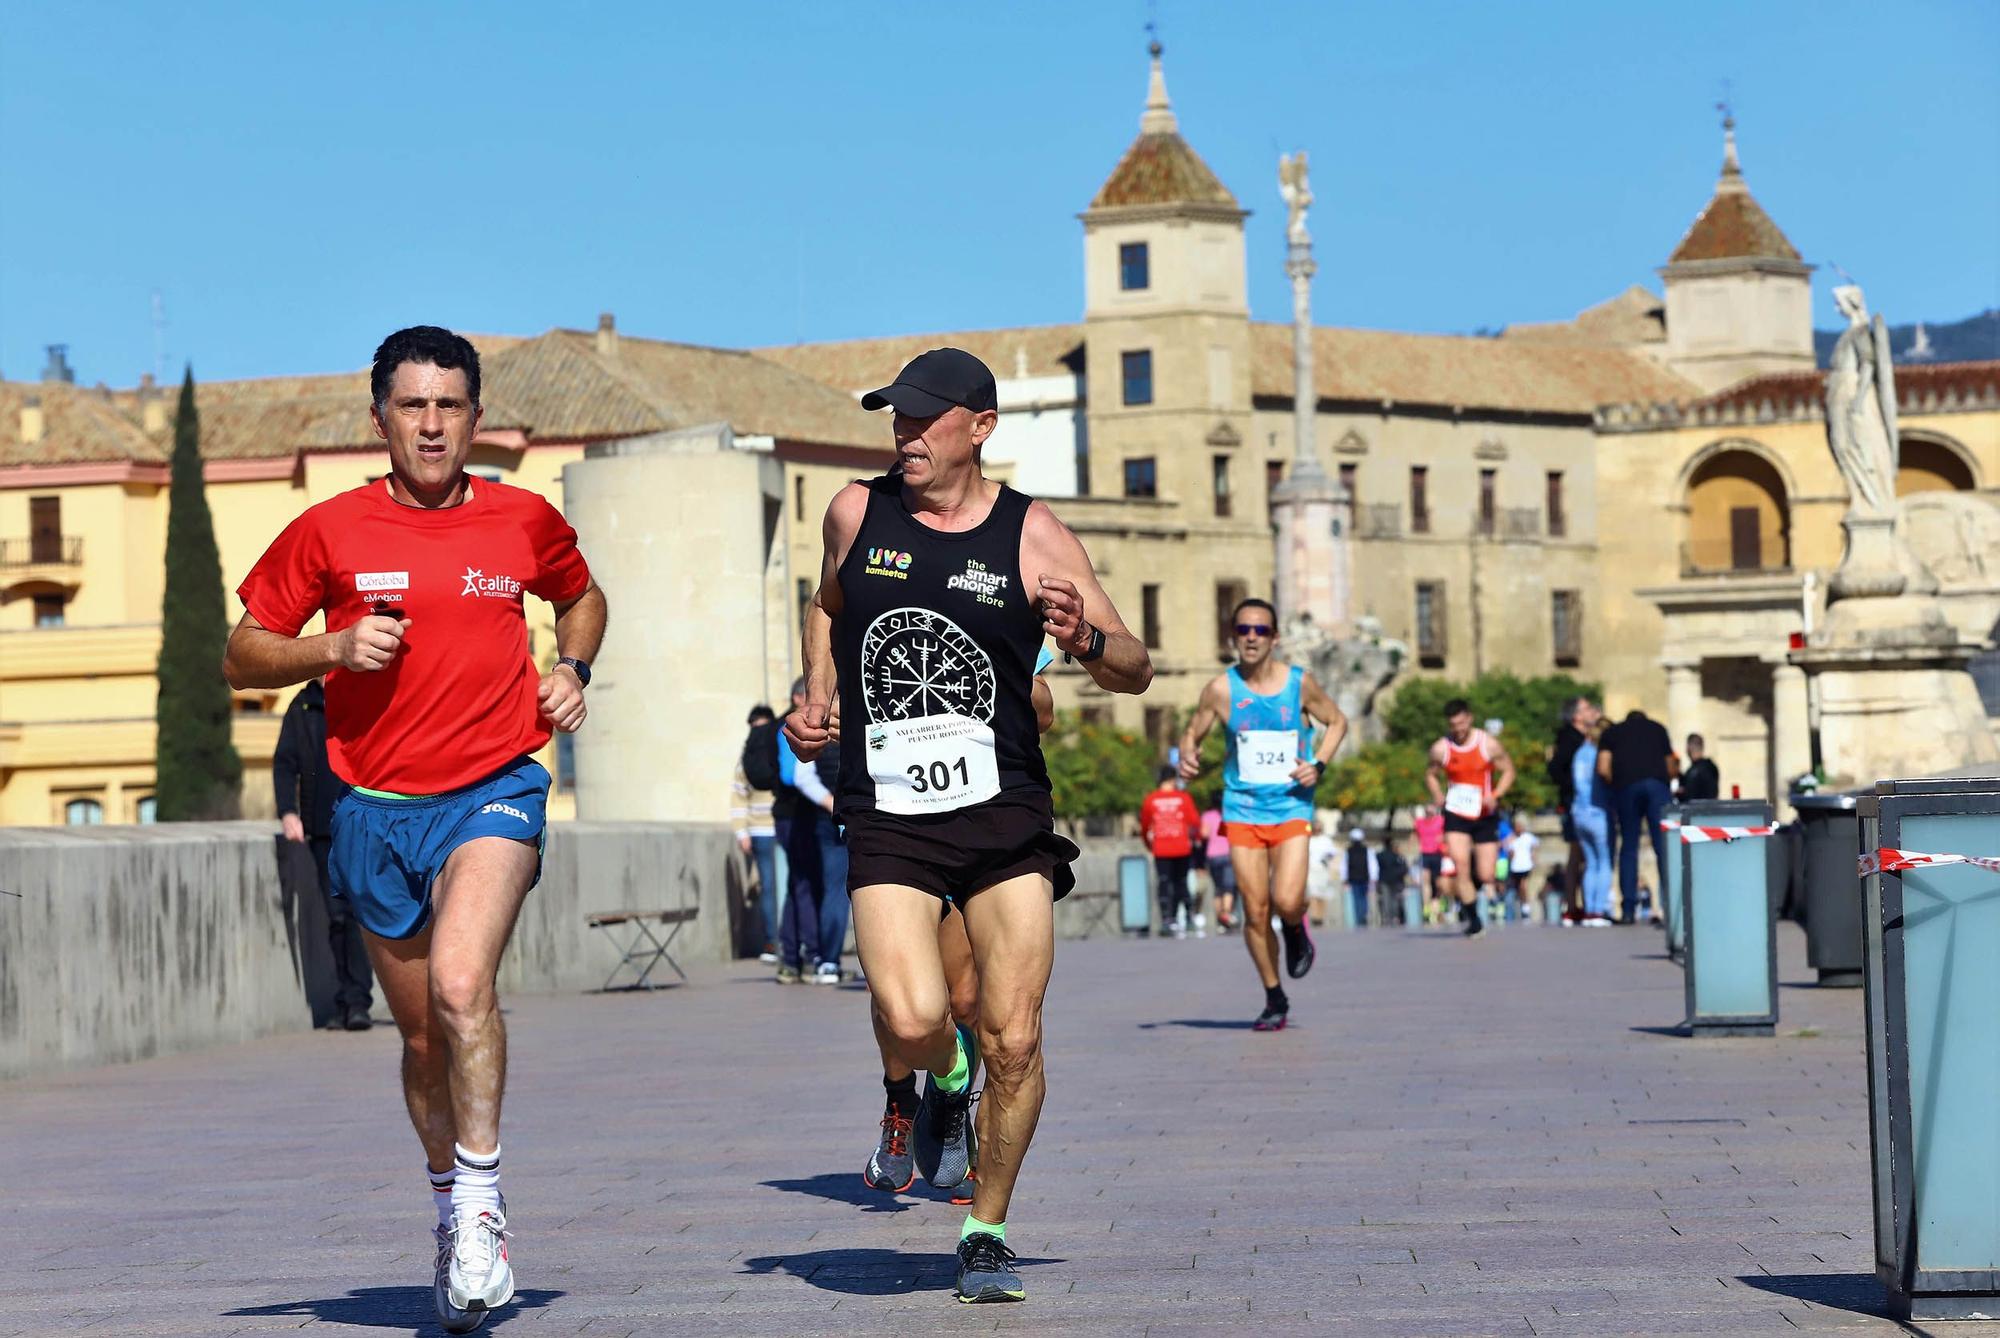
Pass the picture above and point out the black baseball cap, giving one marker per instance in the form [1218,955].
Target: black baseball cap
[932,382]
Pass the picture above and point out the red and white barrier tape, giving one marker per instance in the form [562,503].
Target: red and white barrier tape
[1886,860]
[1696,835]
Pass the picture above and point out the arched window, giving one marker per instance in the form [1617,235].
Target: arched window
[83,813]
[1738,516]
[1925,464]
[147,810]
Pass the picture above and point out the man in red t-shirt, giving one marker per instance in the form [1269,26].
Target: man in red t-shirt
[1169,821]
[433,708]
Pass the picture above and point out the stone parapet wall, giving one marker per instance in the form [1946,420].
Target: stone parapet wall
[129,942]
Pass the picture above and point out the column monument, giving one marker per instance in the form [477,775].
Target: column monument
[1314,516]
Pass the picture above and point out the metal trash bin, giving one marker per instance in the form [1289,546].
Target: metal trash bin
[1135,894]
[1832,833]
[1413,907]
[1730,938]
[1931,933]
[1673,915]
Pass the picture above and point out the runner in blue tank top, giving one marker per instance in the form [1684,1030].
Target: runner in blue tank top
[1274,764]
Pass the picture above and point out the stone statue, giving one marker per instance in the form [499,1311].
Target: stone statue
[1861,408]
[1298,196]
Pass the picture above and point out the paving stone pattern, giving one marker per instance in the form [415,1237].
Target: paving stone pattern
[1453,1138]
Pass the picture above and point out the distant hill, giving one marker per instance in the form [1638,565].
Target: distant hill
[1971,340]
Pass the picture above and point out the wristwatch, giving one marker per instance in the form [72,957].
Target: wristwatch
[578,667]
[1094,651]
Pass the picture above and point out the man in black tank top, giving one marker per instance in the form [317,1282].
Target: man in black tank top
[936,590]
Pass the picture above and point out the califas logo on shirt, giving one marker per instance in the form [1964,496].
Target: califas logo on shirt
[381,580]
[479,583]
[985,585]
[888,562]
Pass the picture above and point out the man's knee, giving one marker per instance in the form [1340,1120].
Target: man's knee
[965,1000]
[463,998]
[913,1020]
[1012,1051]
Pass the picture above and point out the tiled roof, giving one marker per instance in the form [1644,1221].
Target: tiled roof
[1635,316]
[1920,387]
[1462,370]
[1734,226]
[79,426]
[864,364]
[1161,169]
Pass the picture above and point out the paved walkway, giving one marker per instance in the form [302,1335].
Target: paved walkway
[1461,1138]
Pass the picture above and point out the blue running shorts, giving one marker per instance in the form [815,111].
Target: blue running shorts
[386,853]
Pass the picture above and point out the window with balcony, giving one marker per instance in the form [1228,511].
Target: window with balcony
[1141,477]
[1133,268]
[1149,616]
[1558,517]
[1738,516]
[45,535]
[1136,366]
[1219,485]
[1420,499]
[1430,624]
[1274,474]
[1566,622]
[1488,499]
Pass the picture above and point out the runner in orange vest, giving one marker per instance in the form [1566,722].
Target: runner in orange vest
[1469,773]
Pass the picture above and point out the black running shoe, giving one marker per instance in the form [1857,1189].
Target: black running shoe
[1271,1019]
[1299,952]
[986,1270]
[939,1140]
[890,1168]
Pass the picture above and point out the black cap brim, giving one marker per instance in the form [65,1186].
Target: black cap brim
[906,399]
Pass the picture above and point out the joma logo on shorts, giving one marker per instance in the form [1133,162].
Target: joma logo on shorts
[507,809]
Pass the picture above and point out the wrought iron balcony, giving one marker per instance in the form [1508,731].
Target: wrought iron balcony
[62,550]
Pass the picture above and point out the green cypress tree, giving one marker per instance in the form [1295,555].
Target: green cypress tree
[197,772]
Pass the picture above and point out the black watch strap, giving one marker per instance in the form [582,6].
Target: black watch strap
[579,667]
[1096,650]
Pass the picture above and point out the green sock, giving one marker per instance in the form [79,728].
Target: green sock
[961,1067]
[974,1226]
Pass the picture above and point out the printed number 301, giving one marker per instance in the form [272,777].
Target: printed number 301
[937,776]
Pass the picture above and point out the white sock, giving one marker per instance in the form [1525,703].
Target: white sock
[476,1186]
[441,1183]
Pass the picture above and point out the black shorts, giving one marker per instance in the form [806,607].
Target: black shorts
[954,855]
[1483,831]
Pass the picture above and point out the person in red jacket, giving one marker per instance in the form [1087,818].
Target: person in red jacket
[1169,821]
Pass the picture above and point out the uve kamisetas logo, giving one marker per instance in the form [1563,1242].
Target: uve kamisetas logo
[479,583]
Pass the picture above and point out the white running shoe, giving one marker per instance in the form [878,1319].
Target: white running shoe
[453,1319]
[479,1277]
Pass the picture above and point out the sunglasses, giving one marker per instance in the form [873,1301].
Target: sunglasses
[1253,629]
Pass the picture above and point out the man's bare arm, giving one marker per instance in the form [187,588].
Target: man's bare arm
[257,657]
[1320,707]
[580,625]
[807,728]
[1431,773]
[1073,603]
[1044,699]
[1208,708]
[1503,762]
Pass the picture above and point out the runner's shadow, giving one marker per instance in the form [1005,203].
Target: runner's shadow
[1857,1293]
[868,1272]
[392,1308]
[847,1187]
[1198,1024]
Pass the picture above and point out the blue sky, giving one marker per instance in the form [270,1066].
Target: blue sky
[296,180]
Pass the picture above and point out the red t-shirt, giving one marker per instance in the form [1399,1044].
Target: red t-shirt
[459,700]
[1168,818]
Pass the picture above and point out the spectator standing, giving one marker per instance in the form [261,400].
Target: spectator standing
[1637,758]
[1429,828]
[307,790]
[1392,875]
[1521,852]
[1362,873]
[752,798]
[823,929]
[1701,780]
[1221,872]
[1579,719]
[798,821]
[1590,819]
[1170,824]
[1320,855]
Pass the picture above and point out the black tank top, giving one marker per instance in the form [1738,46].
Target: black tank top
[935,650]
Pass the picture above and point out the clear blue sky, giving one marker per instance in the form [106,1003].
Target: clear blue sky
[298,179]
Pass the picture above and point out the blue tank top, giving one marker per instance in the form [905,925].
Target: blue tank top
[1268,738]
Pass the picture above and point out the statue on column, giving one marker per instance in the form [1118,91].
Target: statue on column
[1298,195]
[1861,407]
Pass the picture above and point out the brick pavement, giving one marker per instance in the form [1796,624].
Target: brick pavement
[1454,1138]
